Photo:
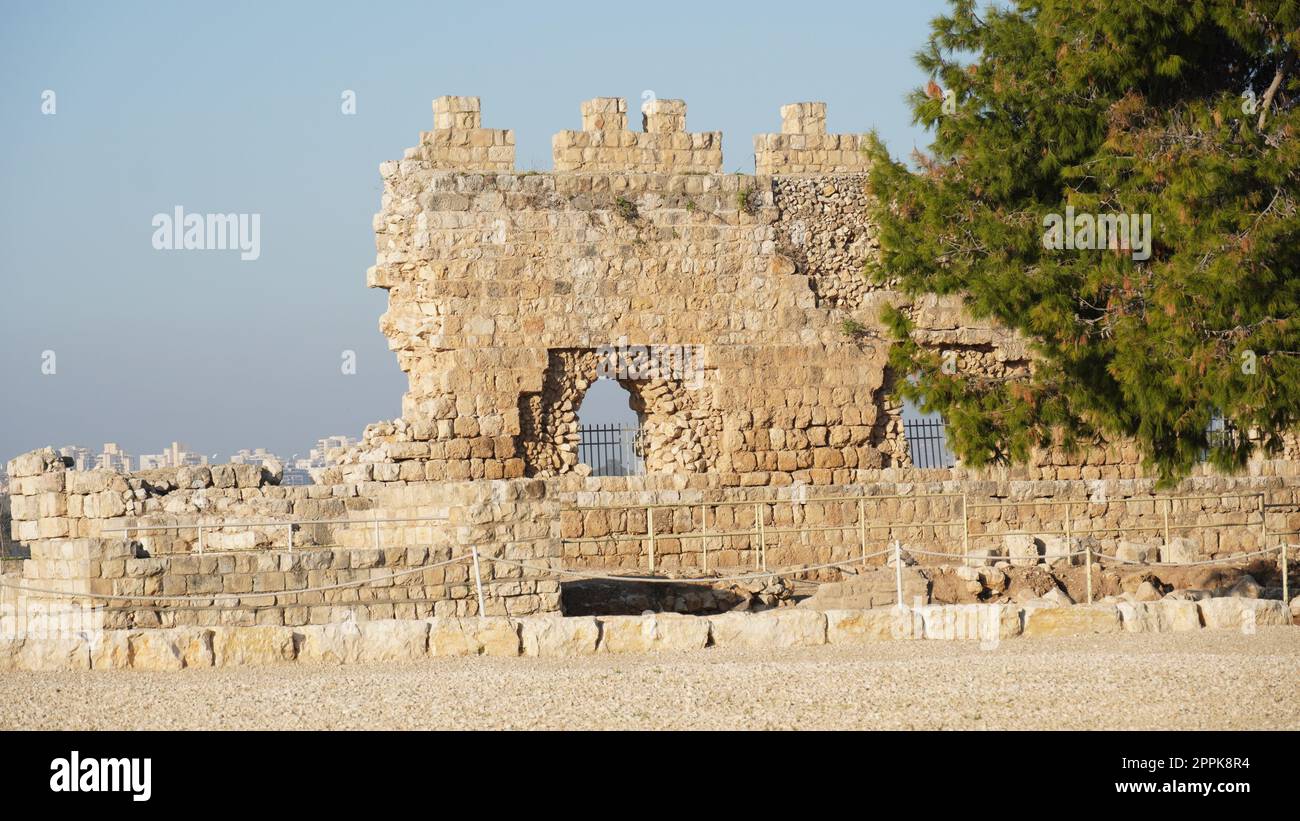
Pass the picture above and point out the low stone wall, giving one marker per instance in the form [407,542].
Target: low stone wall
[413,640]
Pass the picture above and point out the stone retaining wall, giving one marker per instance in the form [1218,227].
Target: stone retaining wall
[413,640]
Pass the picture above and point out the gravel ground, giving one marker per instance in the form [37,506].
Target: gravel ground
[1203,680]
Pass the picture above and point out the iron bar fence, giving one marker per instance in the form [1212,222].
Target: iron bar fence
[927,443]
[611,449]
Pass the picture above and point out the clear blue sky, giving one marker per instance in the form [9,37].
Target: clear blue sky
[235,107]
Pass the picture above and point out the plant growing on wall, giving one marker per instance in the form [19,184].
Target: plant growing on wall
[1117,182]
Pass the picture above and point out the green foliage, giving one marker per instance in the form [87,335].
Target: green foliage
[852,327]
[626,208]
[1109,108]
[745,199]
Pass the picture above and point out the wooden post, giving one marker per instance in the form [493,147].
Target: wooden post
[704,522]
[650,529]
[965,530]
[862,527]
[1169,503]
[898,572]
[478,583]
[758,529]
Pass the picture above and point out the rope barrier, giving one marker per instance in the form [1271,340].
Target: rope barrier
[1225,560]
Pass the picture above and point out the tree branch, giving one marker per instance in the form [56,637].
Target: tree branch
[1271,92]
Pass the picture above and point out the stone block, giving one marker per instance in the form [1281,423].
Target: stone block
[393,640]
[772,629]
[1076,620]
[1243,614]
[652,633]
[866,626]
[473,636]
[252,645]
[559,636]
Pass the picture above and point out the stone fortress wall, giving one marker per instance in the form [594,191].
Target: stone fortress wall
[506,291]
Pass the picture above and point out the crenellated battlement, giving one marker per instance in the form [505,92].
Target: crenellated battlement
[804,147]
[458,141]
[664,146]
[606,144]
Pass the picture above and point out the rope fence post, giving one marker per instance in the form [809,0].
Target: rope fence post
[965,530]
[1286,590]
[862,527]
[1263,525]
[898,572]
[704,540]
[200,540]
[291,537]
[650,531]
[478,582]
[376,521]
[1169,503]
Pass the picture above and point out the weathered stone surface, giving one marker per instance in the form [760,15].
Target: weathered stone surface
[864,626]
[110,650]
[58,652]
[1177,616]
[654,632]
[786,627]
[1237,614]
[155,650]
[1181,549]
[1022,549]
[392,640]
[473,636]
[1078,620]
[1139,552]
[328,643]
[558,636]
[252,645]
[971,622]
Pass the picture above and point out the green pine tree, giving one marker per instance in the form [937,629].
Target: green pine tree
[1184,110]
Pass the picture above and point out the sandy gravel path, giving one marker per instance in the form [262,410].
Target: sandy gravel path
[1207,679]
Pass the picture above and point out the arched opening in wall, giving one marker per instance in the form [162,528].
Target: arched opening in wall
[926,433]
[609,430]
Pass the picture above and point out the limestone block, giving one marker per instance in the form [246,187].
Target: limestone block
[251,645]
[1237,614]
[865,626]
[1077,620]
[1177,616]
[66,651]
[559,636]
[334,643]
[1181,549]
[971,622]
[110,650]
[773,629]
[473,636]
[9,651]
[393,640]
[155,650]
[652,633]
[1021,549]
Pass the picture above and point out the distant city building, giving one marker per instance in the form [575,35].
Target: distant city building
[173,457]
[320,456]
[256,456]
[113,458]
[82,458]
